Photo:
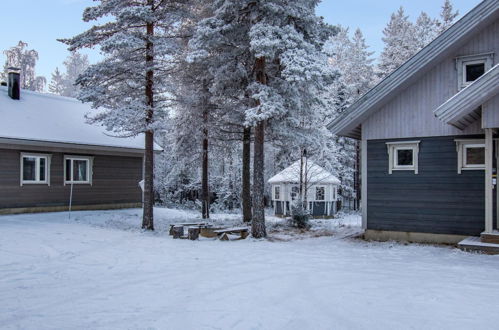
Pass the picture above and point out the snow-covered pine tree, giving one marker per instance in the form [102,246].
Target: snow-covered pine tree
[75,64]
[272,51]
[353,62]
[426,29]
[138,39]
[447,16]
[400,43]
[56,85]
[25,59]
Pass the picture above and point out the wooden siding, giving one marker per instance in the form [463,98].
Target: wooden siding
[490,113]
[410,113]
[438,200]
[115,180]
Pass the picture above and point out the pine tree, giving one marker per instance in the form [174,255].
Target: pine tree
[138,41]
[75,65]
[447,16]
[56,85]
[400,43]
[25,59]
[425,29]
[273,62]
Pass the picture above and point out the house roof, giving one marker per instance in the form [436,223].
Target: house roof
[315,174]
[347,124]
[462,109]
[48,118]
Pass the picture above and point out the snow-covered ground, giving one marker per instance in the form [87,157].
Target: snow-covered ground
[98,271]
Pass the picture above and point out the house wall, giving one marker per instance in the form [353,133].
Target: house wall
[115,181]
[410,113]
[490,113]
[438,200]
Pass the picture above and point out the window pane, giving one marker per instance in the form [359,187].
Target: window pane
[68,169]
[295,192]
[277,193]
[80,170]
[404,157]
[475,156]
[319,193]
[29,169]
[42,169]
[474,71]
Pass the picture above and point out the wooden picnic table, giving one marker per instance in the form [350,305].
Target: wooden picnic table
[185,224]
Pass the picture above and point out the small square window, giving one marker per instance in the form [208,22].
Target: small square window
[472,67]
[470,155]
[320,193]
[474,71]
[403,155]
[34,169]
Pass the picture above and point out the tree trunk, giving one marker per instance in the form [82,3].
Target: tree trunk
[147,219]
[205,194]
[258,223]
[246,176]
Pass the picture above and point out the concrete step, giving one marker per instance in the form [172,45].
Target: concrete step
[491,237]
[474,244]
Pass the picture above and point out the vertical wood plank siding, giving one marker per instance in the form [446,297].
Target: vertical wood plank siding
[410,113]
[490,113]
[115,180]
[437,200]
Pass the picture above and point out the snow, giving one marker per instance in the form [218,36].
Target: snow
[314,174]
[45,117]
[99,271]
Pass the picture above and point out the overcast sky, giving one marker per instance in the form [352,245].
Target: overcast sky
[41,22]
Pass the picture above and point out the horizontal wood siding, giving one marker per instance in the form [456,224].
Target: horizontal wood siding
[115,180]
[438,200]
[410,113]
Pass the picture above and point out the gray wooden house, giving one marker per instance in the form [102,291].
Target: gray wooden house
[428,136]
[48,153]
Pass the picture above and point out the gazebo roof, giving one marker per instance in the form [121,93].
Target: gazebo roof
[314,174]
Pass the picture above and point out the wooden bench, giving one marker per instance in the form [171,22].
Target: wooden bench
[186,224]
[223,234]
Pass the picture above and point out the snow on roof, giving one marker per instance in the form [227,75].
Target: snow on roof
[314,174]
[52,118]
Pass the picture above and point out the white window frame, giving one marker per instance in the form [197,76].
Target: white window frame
[277,193]
[486,59]
[393,147]
[461,146]
[315,193]
[37,156]
[90,161]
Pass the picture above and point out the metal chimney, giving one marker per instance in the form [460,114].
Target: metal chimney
[14,82]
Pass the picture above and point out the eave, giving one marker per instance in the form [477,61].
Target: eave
[464,108]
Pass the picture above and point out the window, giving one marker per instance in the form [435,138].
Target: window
[472,67]
[403,155]
[470,155]
[77,170]
[277,193]
[320,193]
[295,192]
[35,169]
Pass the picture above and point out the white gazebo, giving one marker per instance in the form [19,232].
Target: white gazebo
[320,186]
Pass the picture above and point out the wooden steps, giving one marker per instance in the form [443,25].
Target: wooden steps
[492,237]
[475,244]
